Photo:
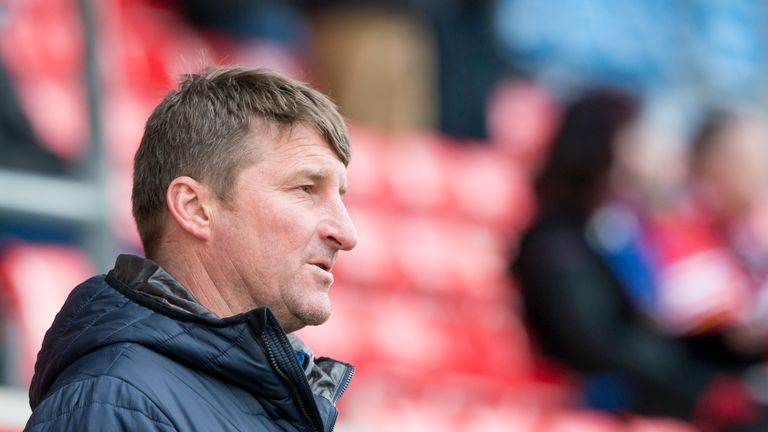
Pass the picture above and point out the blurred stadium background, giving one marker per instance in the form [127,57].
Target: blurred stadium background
[450,104]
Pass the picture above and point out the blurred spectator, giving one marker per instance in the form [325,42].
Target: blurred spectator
[713,284]
[579,309]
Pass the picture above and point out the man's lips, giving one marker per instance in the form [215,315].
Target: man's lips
[325,266]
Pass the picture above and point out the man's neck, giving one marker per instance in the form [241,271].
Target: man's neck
[189,270]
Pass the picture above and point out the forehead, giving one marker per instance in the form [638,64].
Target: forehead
[296,149]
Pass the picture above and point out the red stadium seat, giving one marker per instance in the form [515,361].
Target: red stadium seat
[404,332]
[490,189]
[365,172]
[522,117]
[423,251]
[499,342]
[580,421]
[414,172]
[519,419]
[37,279]
[371,262]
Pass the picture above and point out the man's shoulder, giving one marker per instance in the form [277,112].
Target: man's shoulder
[131,378]
[100,385]
[124,364]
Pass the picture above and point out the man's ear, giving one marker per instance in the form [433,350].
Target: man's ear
[189,204]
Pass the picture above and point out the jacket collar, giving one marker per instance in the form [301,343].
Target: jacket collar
[148,279]
[140,303]
[151,285]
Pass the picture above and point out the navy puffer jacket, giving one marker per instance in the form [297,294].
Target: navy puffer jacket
[133,350]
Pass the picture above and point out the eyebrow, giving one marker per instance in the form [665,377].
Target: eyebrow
[318,175]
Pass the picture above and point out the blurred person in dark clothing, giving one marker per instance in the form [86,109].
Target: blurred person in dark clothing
[579,310]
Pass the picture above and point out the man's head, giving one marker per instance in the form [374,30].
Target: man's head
[199,131]
[247,168]
[576,174]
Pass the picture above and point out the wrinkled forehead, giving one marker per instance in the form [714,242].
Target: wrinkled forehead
[296,148]
[264,134]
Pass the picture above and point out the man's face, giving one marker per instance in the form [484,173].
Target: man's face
[279,236]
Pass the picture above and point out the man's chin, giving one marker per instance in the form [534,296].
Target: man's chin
[318,314]
[306,317]
[316,319]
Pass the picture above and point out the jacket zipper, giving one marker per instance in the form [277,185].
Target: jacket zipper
[270,344]
[347,378]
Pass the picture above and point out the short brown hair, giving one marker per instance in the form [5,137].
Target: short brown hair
[199,130]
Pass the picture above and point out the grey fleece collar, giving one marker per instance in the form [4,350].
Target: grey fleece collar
[152,281]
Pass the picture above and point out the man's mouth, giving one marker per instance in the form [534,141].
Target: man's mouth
[323,266]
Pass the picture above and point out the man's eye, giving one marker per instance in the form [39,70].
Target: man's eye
[307,188]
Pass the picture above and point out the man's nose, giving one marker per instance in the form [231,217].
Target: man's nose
[339,229]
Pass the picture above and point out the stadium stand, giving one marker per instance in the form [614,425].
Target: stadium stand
[422,306]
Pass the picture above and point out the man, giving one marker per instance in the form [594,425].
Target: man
[237,196]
